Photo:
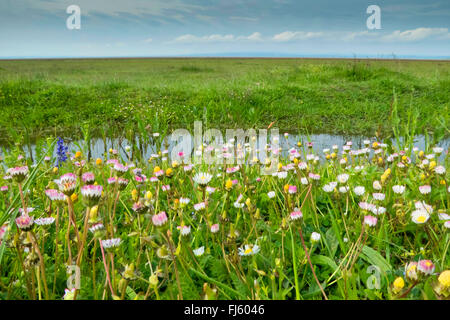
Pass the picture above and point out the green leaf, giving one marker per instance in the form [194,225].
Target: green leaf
[325,261]
[375,258]
[331,241]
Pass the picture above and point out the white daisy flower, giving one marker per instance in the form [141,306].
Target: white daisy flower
[249,250]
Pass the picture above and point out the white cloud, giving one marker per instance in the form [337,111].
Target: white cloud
[256,36]
[417,34]
[148,40]
[296,35]
[189,38]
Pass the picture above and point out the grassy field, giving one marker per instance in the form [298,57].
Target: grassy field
[365,220]
[305,95]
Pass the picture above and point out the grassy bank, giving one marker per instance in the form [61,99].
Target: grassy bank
[309,96]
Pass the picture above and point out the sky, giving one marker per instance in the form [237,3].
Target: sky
[155,28]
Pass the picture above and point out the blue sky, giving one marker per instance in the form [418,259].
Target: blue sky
[119,28]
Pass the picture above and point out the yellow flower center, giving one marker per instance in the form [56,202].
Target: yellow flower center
[421,219]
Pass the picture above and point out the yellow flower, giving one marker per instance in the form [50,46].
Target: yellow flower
[286,188]
[156,169]
[175,164]
[169,172]
[280,165]
[421,154]
[328,157]
[399,283]
[432,165]
[295,160]
[134,195]
[78,154]
[98,162]
[422,176]
[55,170]
[93,213]
[228,184]
[248,202]
[74,197]
[148,195]
[442,182]
[380,160]
[375,145]
[333,155]
[444,278]
[299,144]
[110,150]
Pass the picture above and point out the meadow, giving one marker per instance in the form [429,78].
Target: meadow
[38,97]
[366,220]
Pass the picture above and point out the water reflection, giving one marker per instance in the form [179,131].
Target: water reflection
[320,141]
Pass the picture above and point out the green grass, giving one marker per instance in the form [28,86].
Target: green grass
[305,95]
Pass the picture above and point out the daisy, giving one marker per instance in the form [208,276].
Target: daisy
[359,190]
[296,214]
[202,178]
[199,206]
[123,183]
[315,237]
[271,194]
[159,219]
[56,196]
[120,168]
[184,201]
[439,170]
[342,178]
[184,230]
[28,210]
[111,243]
[67,183]
[210,190]
[411,271]
[302,165]
[88,178]
[18,173]
[443,216]
[343,189]
[371,221]
[96,227]
[420,216]
[378,196]
[215,228]
[426,189]
[398,189]
[426,267]
[44,221]
[378,210]
[25,222]
[328,188]
[91,194]
[304,181]
[377,185]
[199,251]
[314,176]
[249,250]
[292,189]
